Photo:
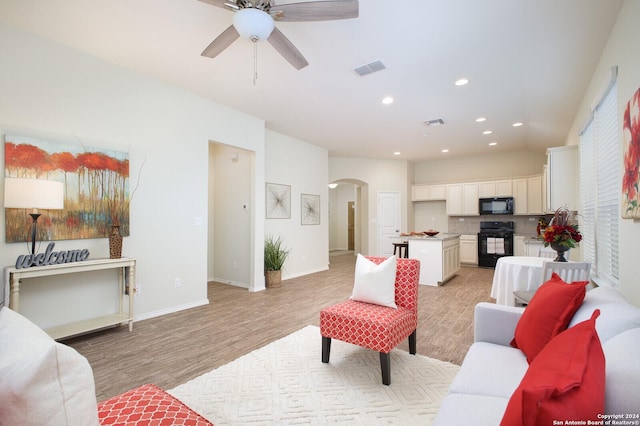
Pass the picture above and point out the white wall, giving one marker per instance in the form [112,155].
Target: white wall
[380,175]
[621,50]
[55,93]
[478,167]
[303,166]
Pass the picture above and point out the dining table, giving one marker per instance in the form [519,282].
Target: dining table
[516,273]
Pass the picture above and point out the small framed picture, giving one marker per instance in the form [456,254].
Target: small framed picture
[278,201]
[310,209]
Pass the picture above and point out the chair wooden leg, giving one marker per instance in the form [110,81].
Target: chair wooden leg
[412,342]
[326,348]
[385,366]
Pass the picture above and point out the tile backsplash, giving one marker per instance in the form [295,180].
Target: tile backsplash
[523,225]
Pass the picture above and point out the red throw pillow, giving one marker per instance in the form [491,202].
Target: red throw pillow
[548,313]
[565,381]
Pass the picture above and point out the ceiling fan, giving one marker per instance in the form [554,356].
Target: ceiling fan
[254,20]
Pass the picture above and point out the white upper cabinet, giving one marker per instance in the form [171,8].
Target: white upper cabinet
[534,195]
[520,196]
[428,192]
[462,199]
[504,188]
[495,188]
[471,205]
[454,199]
[562,178]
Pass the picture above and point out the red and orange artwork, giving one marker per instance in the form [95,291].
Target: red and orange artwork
[630,178]
[96,187]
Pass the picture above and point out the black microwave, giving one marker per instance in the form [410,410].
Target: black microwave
[496,205]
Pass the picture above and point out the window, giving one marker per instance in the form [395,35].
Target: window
[600,175]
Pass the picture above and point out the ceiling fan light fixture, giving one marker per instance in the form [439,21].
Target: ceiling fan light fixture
[253,24]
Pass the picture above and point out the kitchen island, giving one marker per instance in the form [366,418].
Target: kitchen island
[439,257]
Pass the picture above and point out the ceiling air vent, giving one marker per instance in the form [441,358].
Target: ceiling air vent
[370,68]
[436,122]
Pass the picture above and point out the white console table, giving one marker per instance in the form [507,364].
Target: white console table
[126,277]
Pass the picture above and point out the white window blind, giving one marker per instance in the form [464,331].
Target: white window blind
[600,174]
[588,195]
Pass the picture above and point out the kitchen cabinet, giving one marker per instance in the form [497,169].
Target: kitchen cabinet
[495,188]
[527,195]
[469,249]
[532,247]
[534,195]
[428,192]
[519,248]
[520,195]
[562,178]
[439,258]
[462,199]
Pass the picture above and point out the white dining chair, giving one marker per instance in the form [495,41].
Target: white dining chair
[568,271]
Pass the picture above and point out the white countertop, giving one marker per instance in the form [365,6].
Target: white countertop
[439,237]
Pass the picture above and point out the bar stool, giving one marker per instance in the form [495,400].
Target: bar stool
[398,248]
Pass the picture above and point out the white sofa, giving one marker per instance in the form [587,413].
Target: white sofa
[492,369]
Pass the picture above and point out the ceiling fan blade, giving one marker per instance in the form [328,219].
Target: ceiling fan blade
[221,42]
[287,49]
[315,11]
[218,3]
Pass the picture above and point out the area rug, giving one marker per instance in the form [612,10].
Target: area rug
[285,383]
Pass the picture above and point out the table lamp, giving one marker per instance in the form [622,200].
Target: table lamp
[33,194]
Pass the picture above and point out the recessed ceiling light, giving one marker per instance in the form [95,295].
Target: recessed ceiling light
[487,132]
[396,153]
[493,143]
[387,100]
[518,124]
[333,185]
[480,119]
[445,150]
[461,82]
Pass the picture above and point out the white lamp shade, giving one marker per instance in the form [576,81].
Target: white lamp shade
[253,24]
[33,194]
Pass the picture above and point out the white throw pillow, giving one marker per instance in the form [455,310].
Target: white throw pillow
[375,283]
[42,382]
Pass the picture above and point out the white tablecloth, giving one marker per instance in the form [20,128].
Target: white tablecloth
[514,273]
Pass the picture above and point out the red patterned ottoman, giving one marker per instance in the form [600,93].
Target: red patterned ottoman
[147,405]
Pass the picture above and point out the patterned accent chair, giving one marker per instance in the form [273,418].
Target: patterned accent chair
[375,327]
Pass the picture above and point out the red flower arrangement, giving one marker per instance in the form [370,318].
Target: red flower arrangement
[560,231]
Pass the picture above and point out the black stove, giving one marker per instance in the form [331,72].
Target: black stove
[495,240]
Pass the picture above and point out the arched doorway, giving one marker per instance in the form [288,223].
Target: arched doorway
[348,212]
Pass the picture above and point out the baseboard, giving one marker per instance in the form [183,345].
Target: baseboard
[230,282]
[301,274]
[171,310]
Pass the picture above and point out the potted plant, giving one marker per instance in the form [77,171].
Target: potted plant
[275,255]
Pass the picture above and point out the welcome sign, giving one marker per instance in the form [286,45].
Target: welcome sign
[50,257]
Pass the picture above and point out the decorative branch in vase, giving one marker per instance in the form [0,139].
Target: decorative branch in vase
[561,234]
[118,203]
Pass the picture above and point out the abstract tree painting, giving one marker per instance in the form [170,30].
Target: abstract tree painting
[96,183]
[630,178]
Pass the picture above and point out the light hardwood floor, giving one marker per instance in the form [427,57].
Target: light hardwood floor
[175,348]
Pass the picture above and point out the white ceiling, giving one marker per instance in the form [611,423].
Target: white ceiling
[527,60]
